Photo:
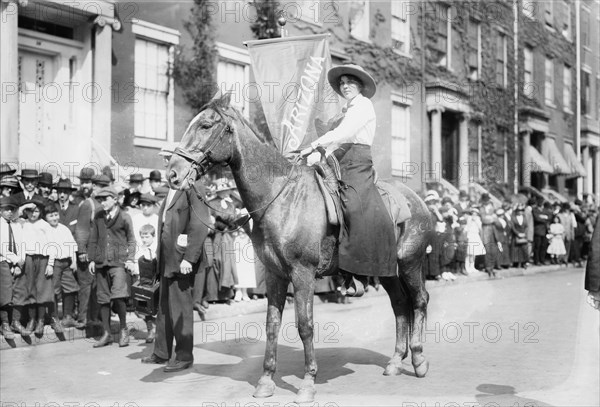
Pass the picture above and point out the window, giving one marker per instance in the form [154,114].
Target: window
[233,74]
[528,82]
[400,138]
[401,26]
[444,32]
[501,172]
[566,28]
[501,73]
[474,35]
[567,83]
[359,19]
[474,152]
[529,9]
[586,93]
[549,83]
[154,112]
[585,27]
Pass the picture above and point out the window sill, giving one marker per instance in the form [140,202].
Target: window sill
[568,111]
[150,142]
[550,104]
[402,53]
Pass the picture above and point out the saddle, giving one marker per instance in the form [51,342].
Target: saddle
[328,178]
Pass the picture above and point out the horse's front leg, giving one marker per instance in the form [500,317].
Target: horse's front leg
[276,292]
[304,289]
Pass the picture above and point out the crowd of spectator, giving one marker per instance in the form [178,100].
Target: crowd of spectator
[51,240]
[474,235]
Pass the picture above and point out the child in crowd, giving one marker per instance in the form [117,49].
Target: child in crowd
[10,261]
[556,249]
[35,288]
[65,265]
[475,245]
[147,268]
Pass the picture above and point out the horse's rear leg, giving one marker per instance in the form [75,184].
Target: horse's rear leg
[412,277]
[304,288]
[400,306]
[276,292]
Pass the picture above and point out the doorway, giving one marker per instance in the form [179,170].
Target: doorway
[450,165]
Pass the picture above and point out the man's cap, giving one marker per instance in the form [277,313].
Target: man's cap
[87,174]
[107,191]
[29,174]
[64,184]
[101,180]
[147,198]
[161,192]
[9,202]
[155,175]
[45,179]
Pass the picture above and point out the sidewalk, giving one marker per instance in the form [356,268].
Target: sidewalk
[137,326]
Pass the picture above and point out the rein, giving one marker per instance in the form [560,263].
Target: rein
[202,164]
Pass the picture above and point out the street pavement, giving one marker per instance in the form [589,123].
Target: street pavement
[527,340]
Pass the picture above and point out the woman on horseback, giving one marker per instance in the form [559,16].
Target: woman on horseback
[367,243]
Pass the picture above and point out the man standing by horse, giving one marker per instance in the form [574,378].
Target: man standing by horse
[182,228]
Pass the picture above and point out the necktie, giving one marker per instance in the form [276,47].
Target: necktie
[12,246]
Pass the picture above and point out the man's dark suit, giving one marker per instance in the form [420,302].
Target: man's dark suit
[185,215]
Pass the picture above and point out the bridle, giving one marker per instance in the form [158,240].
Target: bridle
[204,161]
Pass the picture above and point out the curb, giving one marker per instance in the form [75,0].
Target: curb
[137,326]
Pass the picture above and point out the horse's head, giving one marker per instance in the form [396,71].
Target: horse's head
[207,141]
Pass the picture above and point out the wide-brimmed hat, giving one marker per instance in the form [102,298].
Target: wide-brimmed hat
[107,191]
[87,174]
[101,180]
[29,174]
[334,74]
[10,181]
[9,201]
[147,198]
[135,178]
[155,175]
[45,179]
[6,169]
[64,184]
[224,184]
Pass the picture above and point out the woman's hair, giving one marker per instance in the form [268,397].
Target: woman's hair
[555,218]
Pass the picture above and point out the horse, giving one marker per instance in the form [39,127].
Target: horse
[290,230]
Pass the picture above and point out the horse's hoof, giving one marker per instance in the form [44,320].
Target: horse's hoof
[306,395]
[264,389]
[422,369]
[392,370]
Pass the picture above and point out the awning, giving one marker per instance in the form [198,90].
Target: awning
[552,154]
[577,169]
[537,163]
[554,196]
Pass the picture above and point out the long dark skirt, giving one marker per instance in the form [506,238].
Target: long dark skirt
[368,245]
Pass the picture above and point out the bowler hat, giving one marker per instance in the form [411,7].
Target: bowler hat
[6,169]
[87,174]
[107,191]
[135,178]
[368,83]
[9,201]
[485,197]
[45,179]
[161,192]
[101,180]
[29,174]
[155,175]
[147,198]
[64,184]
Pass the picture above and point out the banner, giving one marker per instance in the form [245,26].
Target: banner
[291,77]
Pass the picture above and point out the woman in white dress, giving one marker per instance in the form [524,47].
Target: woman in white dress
[475,245]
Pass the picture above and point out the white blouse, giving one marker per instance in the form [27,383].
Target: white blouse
[357,126]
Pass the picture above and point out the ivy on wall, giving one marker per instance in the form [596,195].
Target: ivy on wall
[194,70]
